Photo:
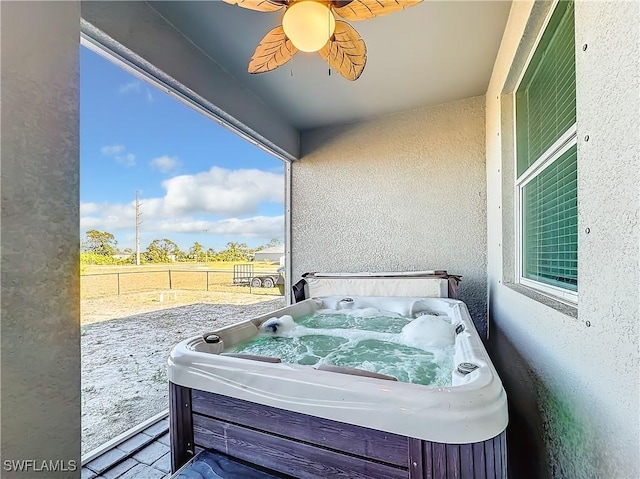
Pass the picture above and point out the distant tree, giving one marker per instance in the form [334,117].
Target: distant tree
[160,251]
[234,252]
[132,258]
[182,256]
[271,243]
[94,258]
[196,253]
[100,242]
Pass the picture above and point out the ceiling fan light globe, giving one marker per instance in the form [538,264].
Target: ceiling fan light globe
[309,25]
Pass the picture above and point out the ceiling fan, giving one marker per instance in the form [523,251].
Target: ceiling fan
[311,26]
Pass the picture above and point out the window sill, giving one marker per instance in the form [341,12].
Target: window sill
[539,297]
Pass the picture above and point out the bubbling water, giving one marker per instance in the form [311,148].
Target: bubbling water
[365,319]
[412,350]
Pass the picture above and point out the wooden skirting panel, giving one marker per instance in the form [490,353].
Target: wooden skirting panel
[480,460]
[180,426]
[304,446]
[346,438]
[277,453]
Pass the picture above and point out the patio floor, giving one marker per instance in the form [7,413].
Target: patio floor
[142,453]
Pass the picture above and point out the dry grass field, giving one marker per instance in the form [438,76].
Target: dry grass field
[101,281]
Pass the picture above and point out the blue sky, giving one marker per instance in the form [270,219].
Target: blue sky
[192,174]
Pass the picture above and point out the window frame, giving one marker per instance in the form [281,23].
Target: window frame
[565,142]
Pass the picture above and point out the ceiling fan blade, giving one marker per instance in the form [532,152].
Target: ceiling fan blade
[259,5]
[274,50]
[340,3]
[366,9]
[346,52]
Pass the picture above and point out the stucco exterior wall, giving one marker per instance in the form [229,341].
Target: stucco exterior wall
[403,192]
[571,374]
[40,223]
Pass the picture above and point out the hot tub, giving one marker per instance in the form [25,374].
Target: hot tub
[303,421]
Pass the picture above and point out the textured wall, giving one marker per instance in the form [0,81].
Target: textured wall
[403,192]
[572,377]
[40,272]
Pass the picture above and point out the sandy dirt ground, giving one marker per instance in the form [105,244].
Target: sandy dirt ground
[126,341]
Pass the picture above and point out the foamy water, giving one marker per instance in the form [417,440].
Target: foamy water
[412,350]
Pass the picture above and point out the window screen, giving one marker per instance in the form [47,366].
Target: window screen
[546,112]
[546,99]
[550,224]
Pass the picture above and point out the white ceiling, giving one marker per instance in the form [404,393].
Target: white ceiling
[435,52]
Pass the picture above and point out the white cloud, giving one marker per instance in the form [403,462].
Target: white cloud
[257,226]
[131,87]
[89,208]
[127,160]
[114,221]
[107,216]
[135,87]
[112,150]
[219,192]
[118,153]
[224,202]
[222,192]
[165,163]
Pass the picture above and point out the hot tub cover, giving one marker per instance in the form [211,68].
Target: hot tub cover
[426,284]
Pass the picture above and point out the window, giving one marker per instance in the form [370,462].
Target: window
[546,161]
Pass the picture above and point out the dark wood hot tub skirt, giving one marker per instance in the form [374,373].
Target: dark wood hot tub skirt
[304,446]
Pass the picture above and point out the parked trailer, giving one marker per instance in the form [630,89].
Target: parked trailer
[243,274]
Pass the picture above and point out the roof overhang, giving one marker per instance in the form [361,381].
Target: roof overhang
[432,53]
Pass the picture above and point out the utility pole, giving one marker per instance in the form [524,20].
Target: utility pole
[137,230]
[206,251]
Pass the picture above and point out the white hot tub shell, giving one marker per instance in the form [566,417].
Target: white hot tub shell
[238,405]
